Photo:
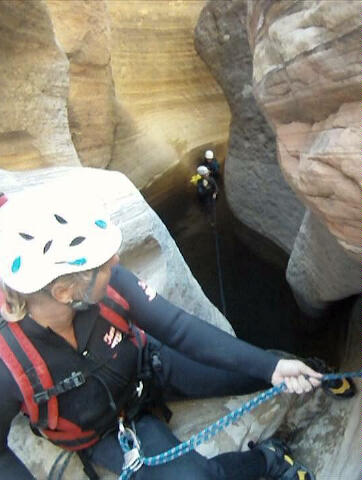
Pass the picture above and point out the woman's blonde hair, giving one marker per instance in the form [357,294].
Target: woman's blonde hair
[16,307]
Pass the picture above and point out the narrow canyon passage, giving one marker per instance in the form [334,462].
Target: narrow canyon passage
[259,302]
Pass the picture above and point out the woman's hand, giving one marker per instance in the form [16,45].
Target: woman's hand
[298,377]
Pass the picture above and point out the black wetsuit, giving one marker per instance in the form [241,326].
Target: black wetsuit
[214,167]
[197,360]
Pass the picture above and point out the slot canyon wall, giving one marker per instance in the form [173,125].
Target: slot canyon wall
[107,84]
[118,85]
[304,71]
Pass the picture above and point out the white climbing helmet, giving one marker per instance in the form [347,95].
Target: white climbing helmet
[202,170]
[209,154]
[47,233]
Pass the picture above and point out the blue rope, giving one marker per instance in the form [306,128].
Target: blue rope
[127,438]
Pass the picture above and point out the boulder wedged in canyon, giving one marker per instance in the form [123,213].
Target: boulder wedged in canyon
[256,190]
[319,270]
[306,78]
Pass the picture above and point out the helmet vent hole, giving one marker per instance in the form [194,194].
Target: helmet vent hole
[26,236]
[16,265]
[60,219]
[76,241]
[47,246]
[101,224]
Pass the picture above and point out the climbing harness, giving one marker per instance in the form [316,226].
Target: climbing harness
[40,392]
[131,447]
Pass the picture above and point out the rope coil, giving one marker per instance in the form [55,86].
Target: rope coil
[203,435]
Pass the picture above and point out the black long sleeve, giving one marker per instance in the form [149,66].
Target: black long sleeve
[189,334]
[11,467]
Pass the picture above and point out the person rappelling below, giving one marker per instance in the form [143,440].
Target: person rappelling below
[212,164]
[206,189]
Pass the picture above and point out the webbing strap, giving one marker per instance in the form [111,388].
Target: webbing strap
[115,309]
[30,373]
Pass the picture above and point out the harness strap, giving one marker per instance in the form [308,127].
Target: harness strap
[115,309]
[30,373]
[33,378]
[70,436]
[75,380]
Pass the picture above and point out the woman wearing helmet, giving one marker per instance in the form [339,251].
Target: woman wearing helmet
[65,292]
[206,189]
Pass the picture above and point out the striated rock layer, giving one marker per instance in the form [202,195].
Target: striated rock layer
[171,108]
[82,31]
[112,84]
[307,80]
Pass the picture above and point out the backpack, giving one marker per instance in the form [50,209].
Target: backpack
[34,380]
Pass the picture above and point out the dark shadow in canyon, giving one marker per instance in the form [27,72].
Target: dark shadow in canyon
[259,302]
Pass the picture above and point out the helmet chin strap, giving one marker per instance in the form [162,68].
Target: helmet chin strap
[85,303]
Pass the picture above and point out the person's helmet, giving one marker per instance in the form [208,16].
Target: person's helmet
[202,170]
[45,234]
[209,154]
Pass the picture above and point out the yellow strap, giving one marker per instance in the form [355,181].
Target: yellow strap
[342,389]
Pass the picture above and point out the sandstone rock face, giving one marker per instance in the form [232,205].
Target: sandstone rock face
[82,30]
[34,83]
[307,81]
[319,270]
[170,106]
[256,191]
[112,84]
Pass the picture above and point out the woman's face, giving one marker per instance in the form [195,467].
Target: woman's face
[103,277]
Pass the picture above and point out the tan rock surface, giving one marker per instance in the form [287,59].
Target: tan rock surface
[82,30]
[34,83]
[170,107]
[307,79]
[108,83]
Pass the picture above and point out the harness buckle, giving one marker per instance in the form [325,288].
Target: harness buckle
[77,378]
[41,397]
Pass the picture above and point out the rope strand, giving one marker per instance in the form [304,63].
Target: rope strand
[210,431]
